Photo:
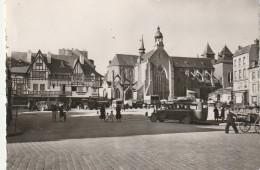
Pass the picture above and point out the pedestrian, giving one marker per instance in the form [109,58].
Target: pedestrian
[118,114]
[62,113]
[223,113]
[102,113]
[231,122]
[111,116]
[107,117]
[216,114]
[54,111]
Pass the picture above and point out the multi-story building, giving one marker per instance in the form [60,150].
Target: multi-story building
[157,73]
[254,83]
[67,77]
[242,59]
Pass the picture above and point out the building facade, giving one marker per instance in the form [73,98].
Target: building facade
[242,59]
[254,84]
[67,77]
[138,77]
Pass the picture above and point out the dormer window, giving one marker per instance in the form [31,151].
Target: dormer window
[186,62]
[62,64]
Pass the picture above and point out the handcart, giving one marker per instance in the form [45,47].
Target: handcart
[246,120]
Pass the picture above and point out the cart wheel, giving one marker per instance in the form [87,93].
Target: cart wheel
[244,127]
[257,127]
[153,118]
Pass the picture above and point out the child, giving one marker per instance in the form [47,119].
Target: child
[111,116]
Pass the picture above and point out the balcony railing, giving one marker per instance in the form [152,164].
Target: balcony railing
[42,93]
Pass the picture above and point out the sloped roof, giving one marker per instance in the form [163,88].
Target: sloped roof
[148,55]
[88,70]
[124,59]
[225,51]
[22,69]
[192,62]
[224,59]
[54,66]
[246,49]
[208,50]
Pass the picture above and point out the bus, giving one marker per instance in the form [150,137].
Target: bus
[184,111]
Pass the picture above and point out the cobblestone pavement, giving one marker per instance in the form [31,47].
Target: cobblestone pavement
[198,150]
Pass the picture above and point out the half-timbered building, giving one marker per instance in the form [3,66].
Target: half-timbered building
[67,77]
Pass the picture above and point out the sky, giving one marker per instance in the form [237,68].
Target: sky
[105,28]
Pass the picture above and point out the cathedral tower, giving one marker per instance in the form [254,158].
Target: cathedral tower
[158,39]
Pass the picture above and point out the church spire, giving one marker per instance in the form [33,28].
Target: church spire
[208,53]
[158,39]
[142,49]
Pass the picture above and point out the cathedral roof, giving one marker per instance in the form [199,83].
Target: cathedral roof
[148,55]
[124,60]
[192,62]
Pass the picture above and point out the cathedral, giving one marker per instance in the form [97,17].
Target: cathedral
[155,73]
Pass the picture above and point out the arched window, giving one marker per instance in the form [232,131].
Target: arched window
[117,94]
[131,75]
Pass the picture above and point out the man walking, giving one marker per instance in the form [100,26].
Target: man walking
[231,122]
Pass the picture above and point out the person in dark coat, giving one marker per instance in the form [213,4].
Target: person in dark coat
[62,113]
[102,113]
[54,111]
[222,113]
[216,114]
[231,122]
[118,113]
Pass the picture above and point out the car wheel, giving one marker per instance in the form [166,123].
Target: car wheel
[153,118]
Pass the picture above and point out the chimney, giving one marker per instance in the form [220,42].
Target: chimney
[257,41]
[110,62]
[48,57]
[81,59]
[29,56]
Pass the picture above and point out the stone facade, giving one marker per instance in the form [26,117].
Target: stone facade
[242,59]
[138,77]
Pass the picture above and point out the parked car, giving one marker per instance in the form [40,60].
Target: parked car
[184,111]
[138,104]
[116,103]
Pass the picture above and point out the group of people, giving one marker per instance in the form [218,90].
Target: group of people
[107,117]
[60,110]
[222,113]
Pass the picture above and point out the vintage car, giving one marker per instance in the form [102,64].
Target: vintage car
[184,111]
[117,103]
